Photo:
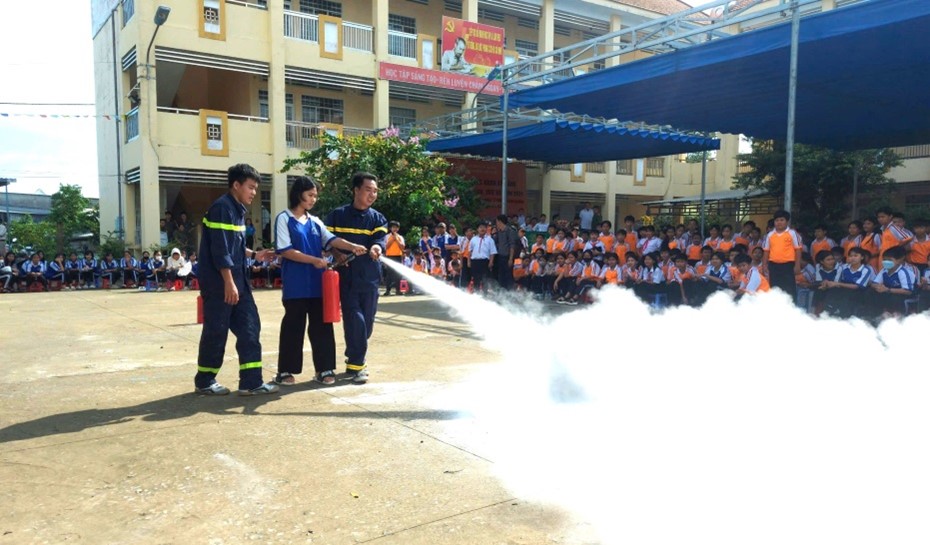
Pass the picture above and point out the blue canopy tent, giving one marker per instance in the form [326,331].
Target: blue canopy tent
[560,141]
[863,81]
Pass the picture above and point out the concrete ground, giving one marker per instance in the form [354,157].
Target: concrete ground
[103,441]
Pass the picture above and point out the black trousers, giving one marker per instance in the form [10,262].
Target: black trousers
[302,315]
[504,271]
[391,278]
[479,270]
[218,320]
[781,275]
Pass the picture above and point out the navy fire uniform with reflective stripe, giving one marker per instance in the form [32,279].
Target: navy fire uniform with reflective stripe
[359,281]
[222,246]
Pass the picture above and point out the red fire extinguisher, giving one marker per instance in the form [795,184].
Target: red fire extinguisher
[199,309]
[331,306]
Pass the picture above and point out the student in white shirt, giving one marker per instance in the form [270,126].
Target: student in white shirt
[481,249]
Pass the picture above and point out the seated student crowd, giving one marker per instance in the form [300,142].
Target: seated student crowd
[74,273]
[871,272]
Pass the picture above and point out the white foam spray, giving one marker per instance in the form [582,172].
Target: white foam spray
[737,423]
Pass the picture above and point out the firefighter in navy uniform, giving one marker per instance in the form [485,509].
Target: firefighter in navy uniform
[361,224]
[228,304]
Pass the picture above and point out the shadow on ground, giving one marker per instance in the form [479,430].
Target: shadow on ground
[184,406]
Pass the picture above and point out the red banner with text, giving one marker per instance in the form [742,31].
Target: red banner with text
[471,48]
[435,78]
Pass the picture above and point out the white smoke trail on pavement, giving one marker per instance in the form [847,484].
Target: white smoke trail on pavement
[737,423]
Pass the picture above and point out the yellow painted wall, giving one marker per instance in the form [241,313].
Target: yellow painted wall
[179,138]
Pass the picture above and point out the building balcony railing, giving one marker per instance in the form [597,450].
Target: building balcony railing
[913,152]
[306,136]
[132,124]
[185,111]
[306,27]
[356,36]
[258,4]
[402,44]
[301,26]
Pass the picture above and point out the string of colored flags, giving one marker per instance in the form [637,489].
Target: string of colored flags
[58,116]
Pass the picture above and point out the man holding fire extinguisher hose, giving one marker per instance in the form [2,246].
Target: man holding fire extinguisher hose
[301,240]
[359,281]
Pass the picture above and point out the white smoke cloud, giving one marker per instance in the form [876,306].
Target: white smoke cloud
[737,423]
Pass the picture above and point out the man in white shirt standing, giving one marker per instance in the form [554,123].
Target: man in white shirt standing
[586,216]
[481,249]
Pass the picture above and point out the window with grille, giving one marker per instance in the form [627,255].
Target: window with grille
[560,30]
[263,104]
[129,9]
[321,7]
[528,23]
[214,133]
[400,23]
[526,48]
[655,167]
[625,167]
[423,2]
[289,107]
[322,110]
[211,17]
[402,116]
[454,6]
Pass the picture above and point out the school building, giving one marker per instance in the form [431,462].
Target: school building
[219,82]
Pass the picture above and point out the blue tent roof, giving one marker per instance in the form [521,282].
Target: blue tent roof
[863,81]
[561,142]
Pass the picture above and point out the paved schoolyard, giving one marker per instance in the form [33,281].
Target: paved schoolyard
[103,441]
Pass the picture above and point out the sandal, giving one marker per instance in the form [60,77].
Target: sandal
[327,377]
[285,379]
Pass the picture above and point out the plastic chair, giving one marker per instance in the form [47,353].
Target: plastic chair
[277,282]
[195,284]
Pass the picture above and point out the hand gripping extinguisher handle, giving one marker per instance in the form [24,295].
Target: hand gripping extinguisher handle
[331,304]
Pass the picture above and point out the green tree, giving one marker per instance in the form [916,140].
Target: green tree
[413,185]
[823,178]
[71,214]
[37,236]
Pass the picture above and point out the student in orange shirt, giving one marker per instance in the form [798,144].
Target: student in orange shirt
[821,241]
[437,265]
[726,242]
[554,267]
[681,282]
[621,247]
[612,273]
[714,239]
[540,244]
[735,275]
[670,239]
[872,242]
[565,283]
[782,254]
[694,250]
[590,273]
[393,250]
[853,238]
[744,237]
[706,253]
[577,240]
[629,272]
[919,247]
[632,241]
[753,281]
[805,279]
[537,274]
[607,236]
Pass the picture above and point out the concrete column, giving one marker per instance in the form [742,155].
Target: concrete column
[609,210]
[469,13]
[726,163]
[277,112]
[616,23]
[545,193]
[827,5]
[547,27]
[381,99]
[149,194]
